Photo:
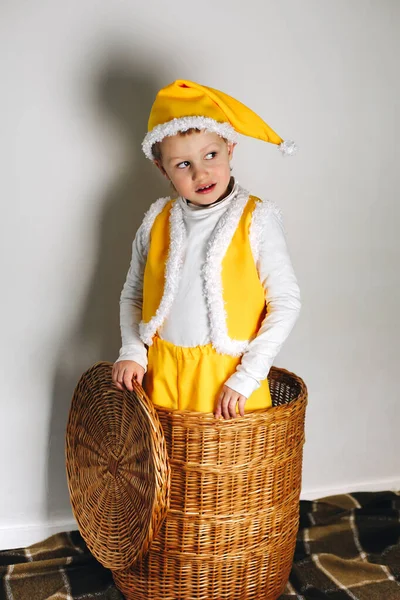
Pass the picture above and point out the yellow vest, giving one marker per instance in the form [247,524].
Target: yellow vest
[234,294]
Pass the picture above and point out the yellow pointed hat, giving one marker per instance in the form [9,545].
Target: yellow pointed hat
[184,105]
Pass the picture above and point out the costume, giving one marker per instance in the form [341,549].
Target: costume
[187,324]
[211,290]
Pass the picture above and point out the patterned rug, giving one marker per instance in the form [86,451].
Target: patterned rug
[348,547]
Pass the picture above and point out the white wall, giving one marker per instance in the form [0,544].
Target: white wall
[78,82]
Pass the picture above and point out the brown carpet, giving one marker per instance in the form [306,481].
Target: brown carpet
[348,547]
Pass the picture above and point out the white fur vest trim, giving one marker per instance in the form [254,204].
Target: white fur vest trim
[148,220]
[173,269]
[212,276]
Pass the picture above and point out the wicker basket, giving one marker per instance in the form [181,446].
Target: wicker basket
[230,530]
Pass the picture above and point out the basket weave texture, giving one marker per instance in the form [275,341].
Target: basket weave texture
[117,468]
[230,530]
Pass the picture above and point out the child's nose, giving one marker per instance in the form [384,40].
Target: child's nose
[198,172]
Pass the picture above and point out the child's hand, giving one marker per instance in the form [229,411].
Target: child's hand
[124,372]
[227,401]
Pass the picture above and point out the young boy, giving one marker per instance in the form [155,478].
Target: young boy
[210,296]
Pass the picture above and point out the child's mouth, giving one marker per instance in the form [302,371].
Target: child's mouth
[206,189]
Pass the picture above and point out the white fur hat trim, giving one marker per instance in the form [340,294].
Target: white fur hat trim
[174,126]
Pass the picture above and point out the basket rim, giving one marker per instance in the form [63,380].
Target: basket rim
[261,414]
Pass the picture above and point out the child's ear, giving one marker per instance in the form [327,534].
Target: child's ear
[231,147]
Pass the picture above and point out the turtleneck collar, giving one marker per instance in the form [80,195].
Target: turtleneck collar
[188,206]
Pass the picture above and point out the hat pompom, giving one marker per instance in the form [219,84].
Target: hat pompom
[288,148]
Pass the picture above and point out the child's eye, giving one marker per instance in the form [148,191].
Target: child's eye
[183,164]
[211,155]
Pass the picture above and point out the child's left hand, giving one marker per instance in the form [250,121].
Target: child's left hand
[227,401]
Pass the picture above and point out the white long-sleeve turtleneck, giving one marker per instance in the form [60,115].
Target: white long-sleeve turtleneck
[187,323]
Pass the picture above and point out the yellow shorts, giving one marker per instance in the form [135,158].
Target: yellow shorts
[192,378]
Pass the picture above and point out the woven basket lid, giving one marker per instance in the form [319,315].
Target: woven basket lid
[117,468]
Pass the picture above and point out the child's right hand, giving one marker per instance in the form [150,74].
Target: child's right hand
[124,372]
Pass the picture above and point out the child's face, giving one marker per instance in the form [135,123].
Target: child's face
[196,160]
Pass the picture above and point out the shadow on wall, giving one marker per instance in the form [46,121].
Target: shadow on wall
[125,95]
